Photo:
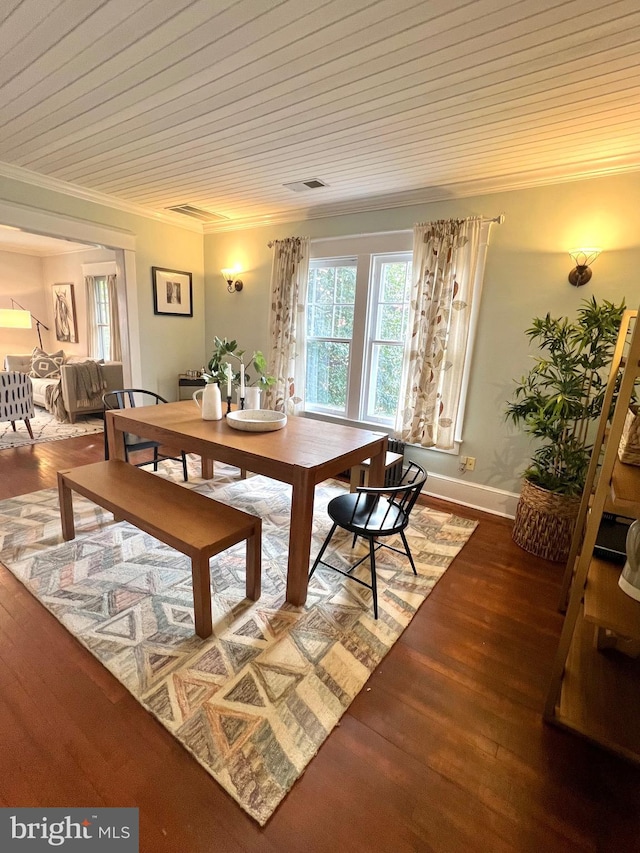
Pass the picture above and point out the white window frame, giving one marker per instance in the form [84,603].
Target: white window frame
[363,247]
[99,270]
[377,262]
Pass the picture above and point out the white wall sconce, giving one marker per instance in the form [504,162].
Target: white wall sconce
[233,283]
[582,258]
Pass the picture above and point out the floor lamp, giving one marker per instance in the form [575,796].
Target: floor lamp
[12,318]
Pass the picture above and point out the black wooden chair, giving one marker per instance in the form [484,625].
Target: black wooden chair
[374,513]
[127,398]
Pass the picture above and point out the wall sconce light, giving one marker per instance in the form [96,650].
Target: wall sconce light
[233,283]
[582,258]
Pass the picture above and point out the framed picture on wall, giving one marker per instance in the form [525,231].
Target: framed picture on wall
[64,313]
[172,292]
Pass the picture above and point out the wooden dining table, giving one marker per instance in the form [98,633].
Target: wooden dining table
[304,453]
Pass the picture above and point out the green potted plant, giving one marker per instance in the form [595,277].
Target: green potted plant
[224,351]
[558,403]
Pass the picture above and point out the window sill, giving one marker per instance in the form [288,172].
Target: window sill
[336,419]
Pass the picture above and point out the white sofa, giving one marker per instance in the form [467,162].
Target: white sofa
[111,372]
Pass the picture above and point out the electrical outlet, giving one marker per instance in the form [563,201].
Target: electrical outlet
[462,464]
[470,464]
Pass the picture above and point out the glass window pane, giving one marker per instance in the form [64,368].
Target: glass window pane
[391,322]
[343,325]
[320,321]
[327,372]
[394,282]
[386,373]
[323,285]
[346,285]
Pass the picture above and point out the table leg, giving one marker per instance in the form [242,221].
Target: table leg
[115,438]
[300,538]
[66,508]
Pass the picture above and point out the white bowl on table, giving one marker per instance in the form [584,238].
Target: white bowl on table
[256,420]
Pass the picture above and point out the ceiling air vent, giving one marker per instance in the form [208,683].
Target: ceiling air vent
[197,213]
[303,186]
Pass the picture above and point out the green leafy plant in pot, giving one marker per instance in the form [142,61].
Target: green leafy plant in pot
[558,403]
[225,352]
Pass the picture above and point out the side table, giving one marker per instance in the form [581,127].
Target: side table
[188,384]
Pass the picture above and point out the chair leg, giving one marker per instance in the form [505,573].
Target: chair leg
[323,549]
[374,582]
[13,424]
[408,550]
[28,425]
[155,459]
[184,466]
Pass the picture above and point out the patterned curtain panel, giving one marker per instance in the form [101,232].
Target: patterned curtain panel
[289,274]
[114,319]
[445,259]
[92,329]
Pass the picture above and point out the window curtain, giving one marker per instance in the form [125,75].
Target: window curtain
[92,328]
[289,274]
[92,288]
[114,319]
[445,261]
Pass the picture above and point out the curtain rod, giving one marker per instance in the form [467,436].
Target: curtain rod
[499,219]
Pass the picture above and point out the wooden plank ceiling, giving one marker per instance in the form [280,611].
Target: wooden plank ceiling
[218,103]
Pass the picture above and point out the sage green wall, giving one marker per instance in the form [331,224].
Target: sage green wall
[526,276]
[168,345]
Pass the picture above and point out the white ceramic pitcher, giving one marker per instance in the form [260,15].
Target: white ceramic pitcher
[211,407]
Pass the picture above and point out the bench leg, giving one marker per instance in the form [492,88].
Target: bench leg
[206,468]
[254,562]
[66,508]
[201,579]
[356,477]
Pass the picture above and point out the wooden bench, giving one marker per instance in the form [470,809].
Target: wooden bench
[187,521]
[360,473]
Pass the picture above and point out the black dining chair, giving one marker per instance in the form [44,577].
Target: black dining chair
[128,398]
[374,513]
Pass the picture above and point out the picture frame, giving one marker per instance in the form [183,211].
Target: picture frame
[172,292]
[65,319]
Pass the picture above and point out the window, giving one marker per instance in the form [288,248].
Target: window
[357,311]
[101,315]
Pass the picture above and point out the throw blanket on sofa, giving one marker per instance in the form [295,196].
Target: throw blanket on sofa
[54,402]
[89,383]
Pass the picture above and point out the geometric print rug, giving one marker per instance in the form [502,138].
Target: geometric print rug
[46,428]
[254,702]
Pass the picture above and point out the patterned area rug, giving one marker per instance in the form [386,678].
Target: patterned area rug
[254,702]
[46,428]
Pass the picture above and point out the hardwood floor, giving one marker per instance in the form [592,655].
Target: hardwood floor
[444,750]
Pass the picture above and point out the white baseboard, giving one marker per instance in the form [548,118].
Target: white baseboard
[473,495]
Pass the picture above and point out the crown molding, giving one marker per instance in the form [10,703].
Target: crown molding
[26,176]
[428,195]
[425,195]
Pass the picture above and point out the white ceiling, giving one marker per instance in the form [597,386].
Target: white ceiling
[218,103]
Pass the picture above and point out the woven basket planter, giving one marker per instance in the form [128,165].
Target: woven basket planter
[544,522]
